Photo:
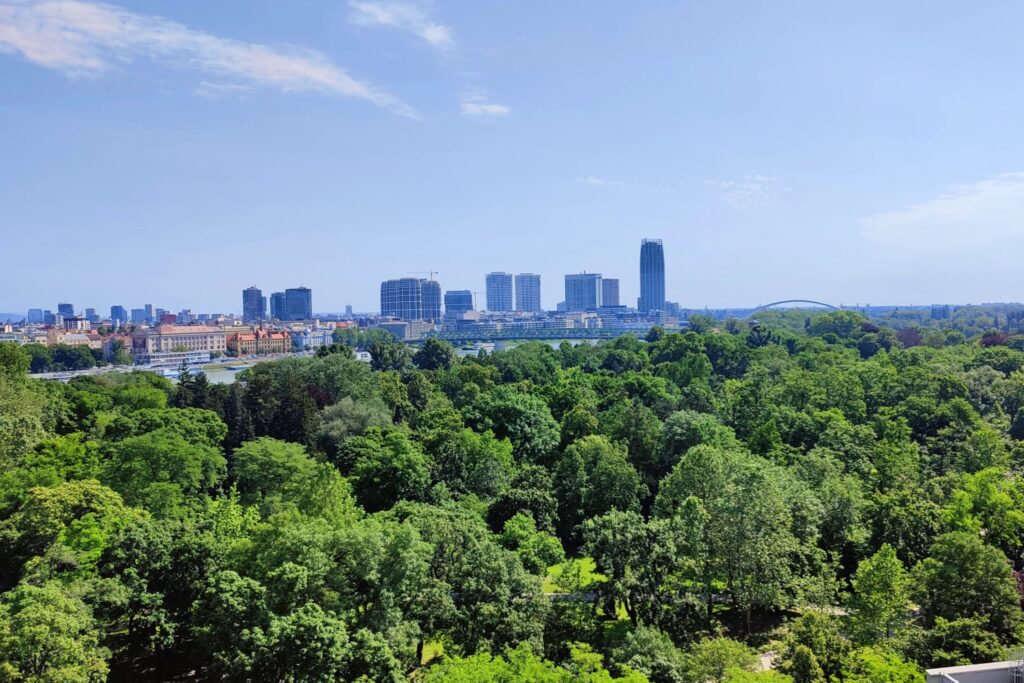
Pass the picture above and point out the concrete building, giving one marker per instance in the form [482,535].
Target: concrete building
[499,292]
[582,292]
[75,324]
[652,276]
[254,305]
[1011,671]
[609,292]
[259,342]
[528,293]
[148,344]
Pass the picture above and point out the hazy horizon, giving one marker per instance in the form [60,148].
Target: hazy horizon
[176,153]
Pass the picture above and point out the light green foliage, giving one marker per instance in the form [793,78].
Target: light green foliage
[537,550]
[48,634]
[880,604]
[521,666]
[713,658]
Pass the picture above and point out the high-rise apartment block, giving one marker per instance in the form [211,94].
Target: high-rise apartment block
[402,298]
[431,295]
[652,276]
[582,292]
[499,292]
[528,293]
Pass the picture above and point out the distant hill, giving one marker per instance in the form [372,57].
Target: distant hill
[11,317]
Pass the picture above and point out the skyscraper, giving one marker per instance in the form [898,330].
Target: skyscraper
[254,305]
[582,291]
[499,292]
[92,316]
[66,310]
[652,276]
[118,315]
[610,291]
[35,315]
[298,303]
[457,301]
[402,299]
[528,293]
[277,305]
[431,294]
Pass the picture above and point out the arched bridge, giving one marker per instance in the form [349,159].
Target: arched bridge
[792,301]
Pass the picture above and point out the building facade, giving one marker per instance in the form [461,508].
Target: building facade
[457,302]
[528,293]
[298,304]
[609,291]
[177,338]
[402,298]
[254,305]
[499,292]
[259,342]
[652,276]
[276,305]
[66,310]
[582,292]
[431,297]
[118,316]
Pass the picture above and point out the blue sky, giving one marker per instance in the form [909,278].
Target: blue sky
[176,152]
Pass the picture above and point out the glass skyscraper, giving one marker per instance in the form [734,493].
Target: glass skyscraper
[254,305]
[582,292]
[402,299]
[499,292]
[652,276]
[431,295]
[457,301]
[610,291]
[528,293]
[298,304]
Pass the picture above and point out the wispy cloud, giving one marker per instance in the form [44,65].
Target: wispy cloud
[406,16]
[594,180]
[477,105]
[965,216]
[80,38]
[750,190]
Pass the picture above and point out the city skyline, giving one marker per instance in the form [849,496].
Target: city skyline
[872,171]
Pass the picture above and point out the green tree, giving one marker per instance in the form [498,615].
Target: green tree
[710,659]
[881,597]
[435,354]
[49,634]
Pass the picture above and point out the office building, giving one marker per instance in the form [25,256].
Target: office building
[609,291]
[150,313]
[66,310]
[499,292]
[294,304]
[35,316]
[457,302]
[139,316]
[652,276]
[402,298]
[277,305]
[431,296]
[582,292]
[528,293]
[254,305]
[92,316]
[118,316]
[152,344]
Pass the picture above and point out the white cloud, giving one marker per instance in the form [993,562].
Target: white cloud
[405,16]
[475,105]
[750,190]
[594,180]
[966,216]
[80,38]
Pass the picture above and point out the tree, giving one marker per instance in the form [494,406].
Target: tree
[871,665]
[49,634]
[388,354]
[963,578]
[538,550]
[819,635]
[594,477]
[531,491]
[523,419]
[268,470]
[14,362]
[881,597]
[435,354]
[388,468]
[711,658]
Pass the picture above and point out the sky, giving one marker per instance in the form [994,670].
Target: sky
[175,152]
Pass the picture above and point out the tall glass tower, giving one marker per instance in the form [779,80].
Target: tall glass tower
[652,276]
[499,292]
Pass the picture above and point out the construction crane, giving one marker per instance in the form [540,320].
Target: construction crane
[431,273]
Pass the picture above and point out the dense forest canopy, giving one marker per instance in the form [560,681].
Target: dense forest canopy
[752,503]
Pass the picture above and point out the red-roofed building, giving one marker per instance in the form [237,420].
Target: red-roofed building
[259,342]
